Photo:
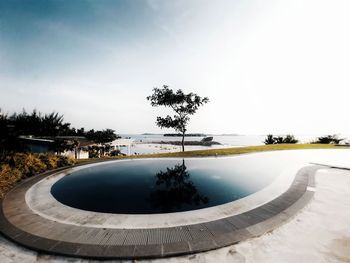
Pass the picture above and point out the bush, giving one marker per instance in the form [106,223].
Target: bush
[23,165]
[290,139]
[27,163]
[329,139]
[8,178]
[64,161]
[115,152]
[270,139]
[94,151]
[49,160]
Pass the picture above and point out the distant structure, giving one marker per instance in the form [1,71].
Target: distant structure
[37,145]
[207,139]
[186,135]
[124,143]
[45,145]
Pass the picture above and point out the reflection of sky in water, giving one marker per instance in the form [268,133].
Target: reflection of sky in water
[171,185]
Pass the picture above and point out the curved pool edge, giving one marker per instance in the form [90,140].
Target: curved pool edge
[40,200]
[20,224]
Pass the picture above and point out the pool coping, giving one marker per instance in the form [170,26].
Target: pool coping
[40,200]
[20,224]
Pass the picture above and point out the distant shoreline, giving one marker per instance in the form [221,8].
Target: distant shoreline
[186,135]
[195,143]
[189,134]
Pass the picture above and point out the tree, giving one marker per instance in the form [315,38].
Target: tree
[9,142]
[60,145]
[38,124]
[183,105]
[103,138]
[47,126]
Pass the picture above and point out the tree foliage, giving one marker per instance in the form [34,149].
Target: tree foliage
[328,139]
[38,124]
[50,126]
[270,139]
[61,145]
[184,105]
[101,137]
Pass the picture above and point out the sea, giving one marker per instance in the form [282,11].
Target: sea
[145,143]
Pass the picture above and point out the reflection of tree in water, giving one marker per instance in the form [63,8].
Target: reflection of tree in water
[175,189]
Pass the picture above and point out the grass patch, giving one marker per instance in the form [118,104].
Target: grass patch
[227,151]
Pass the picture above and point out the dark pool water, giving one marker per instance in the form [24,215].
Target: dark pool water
[161,185]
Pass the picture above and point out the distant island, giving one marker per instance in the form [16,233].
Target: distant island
[192,143]
[190,134]
[206,141]
[186,135]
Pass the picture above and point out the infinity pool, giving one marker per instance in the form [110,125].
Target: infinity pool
[151,186]
[161,185]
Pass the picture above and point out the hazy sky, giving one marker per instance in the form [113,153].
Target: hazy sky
[267,66]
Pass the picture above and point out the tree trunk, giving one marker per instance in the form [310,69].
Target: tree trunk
[76,145]
[183,141]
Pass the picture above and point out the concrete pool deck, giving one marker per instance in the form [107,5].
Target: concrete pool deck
[23,225]
[318,233]
[40,200]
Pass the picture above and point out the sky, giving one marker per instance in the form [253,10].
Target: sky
[269,66]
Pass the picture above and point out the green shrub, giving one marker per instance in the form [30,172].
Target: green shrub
[328,139]
[270,139]
[290,139]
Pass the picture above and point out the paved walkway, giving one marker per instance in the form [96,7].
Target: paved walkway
[319,233]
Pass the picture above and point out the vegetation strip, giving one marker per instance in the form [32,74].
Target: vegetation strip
[229,151]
